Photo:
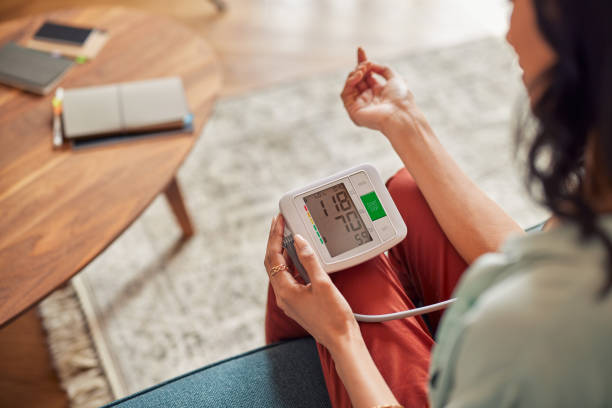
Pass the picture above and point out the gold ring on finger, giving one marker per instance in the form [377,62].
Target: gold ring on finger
[276,269]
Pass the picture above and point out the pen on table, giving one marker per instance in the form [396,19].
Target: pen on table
[57,121]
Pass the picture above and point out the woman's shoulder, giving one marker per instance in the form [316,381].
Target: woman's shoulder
[543,299]
[545,261]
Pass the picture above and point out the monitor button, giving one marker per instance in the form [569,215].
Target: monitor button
[361,182]
[384,228]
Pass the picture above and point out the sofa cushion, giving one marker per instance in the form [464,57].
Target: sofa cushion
[286,374]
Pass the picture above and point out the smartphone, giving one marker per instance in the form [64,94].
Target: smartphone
[63,34]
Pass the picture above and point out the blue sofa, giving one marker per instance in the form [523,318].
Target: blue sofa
[286,374]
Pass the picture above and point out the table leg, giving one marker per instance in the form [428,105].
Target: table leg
[175,199]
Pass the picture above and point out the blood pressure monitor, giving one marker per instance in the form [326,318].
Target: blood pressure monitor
[347,218]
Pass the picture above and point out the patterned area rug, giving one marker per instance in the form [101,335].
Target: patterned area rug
[159,306]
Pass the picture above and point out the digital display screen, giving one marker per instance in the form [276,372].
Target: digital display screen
[337,219]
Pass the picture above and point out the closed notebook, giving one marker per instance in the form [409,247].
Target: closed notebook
[31,70]
[130,107]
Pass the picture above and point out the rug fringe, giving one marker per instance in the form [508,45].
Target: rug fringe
[72,350]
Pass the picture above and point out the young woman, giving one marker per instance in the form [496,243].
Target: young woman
[533,322]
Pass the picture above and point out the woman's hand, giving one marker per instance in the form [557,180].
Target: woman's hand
[373,93]
[322,310]
[318,307]
[376,97]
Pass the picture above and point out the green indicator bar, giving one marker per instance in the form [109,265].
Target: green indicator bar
[315,227]
[322,241]
[318,235]
[373,206]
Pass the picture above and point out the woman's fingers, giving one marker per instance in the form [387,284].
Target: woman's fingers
[361,78]
[286,257]
[274,251]
[275,239]
[282,280]
[351,81]
[350,92]
[373,82]
[361,55]
[359,73]
[364,77]
[355,77]
[309,259]
[383,70]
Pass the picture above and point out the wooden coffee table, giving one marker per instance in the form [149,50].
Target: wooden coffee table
[60,208]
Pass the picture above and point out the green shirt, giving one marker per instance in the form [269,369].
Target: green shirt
[528,329]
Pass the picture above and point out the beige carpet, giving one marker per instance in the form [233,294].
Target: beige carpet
[158,307]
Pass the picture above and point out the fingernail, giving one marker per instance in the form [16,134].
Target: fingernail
[302,244]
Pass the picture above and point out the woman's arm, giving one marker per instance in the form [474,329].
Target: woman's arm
[320,308]
[376,97]
[473,222]
[360,376]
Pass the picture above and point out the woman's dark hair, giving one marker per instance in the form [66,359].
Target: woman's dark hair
[573,112]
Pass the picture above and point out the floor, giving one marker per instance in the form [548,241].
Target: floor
[264,42]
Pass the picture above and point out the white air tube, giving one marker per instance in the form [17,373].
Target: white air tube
[404,314]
